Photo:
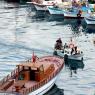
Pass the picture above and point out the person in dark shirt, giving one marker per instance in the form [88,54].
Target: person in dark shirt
[59,41]
[58,44]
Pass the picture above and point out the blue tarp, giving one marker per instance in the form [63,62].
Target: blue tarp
[85,8]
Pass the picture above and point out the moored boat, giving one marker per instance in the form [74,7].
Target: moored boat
[71,12]
[59,9]
[34,77]
[90,19]
[55,10]
[76,13]
[42,7]
[69,51]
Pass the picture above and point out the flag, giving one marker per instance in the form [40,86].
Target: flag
[33,57]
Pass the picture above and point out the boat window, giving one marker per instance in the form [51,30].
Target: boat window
[21,77]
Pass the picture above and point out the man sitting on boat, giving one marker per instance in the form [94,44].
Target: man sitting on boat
[71,44]
[73,47]
[58,44]
[75,50]
[79,13]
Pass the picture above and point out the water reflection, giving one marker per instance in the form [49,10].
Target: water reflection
[55,91]
[75,25]
[90,29]
[74,65]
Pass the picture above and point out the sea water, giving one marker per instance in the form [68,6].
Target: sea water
[23,31]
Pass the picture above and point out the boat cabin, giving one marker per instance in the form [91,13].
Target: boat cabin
[34,71]
[30,76]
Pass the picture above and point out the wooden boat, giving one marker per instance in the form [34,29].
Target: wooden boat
[32,77]
[69,51]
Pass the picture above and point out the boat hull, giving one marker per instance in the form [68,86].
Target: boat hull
[78,57]
[89,21]
[72,15]
[42,90]
[51,65]
[67,14]
[40,8]
[55,11]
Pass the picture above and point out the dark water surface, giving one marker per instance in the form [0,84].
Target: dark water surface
[22,32]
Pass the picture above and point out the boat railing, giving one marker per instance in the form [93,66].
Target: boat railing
[41,83]
[10,76]
[33,88]
[8,93]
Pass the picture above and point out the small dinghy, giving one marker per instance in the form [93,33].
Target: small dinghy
[71,51]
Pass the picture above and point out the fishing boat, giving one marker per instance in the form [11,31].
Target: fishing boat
[33,77]
[69,51]
[78,12]
[59,9]
[69,12]
[78,56]
[73,14]
[54,10]
[43,6]
[90,19]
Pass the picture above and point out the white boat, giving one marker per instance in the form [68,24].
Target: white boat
[70,50]
[90,19]
[43,6]
[59,9]
[78,56]
[32,77]
[68,13]
[76,13]
[54,10]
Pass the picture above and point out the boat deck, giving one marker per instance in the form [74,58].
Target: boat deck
[26,86]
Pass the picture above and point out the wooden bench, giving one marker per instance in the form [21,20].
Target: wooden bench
[19,85]
[6,85]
